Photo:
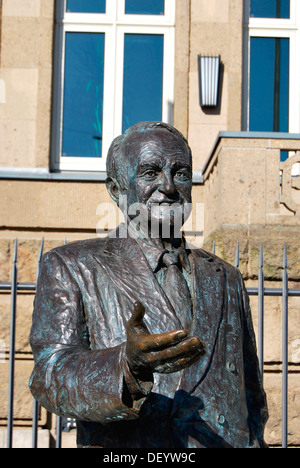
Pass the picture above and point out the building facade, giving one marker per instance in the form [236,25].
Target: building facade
[74,74]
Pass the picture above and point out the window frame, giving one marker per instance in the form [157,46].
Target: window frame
[114,24]
[274,28]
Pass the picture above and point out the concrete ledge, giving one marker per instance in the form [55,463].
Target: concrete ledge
[271,136]
[65,176]
[45,174]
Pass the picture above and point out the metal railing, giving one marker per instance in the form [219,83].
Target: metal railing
[261,292]
[14,287]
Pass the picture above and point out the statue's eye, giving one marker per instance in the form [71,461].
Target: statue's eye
[151,174]
[182,175]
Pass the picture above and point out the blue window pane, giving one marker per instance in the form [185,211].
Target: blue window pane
[145,7]
[86,6]
[284,155]
[83,95]
[270,9]
[269,84]
[143,78]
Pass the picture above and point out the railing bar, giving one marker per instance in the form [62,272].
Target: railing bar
[15,256]
[10,416]
[293,292]
[285,351]
[35,422]
[237,255]
[5,286]
[274,292]
[261,312]
[26,286]
[251,291]
[20,286]
[29,287]
[58,432]
[36,406]
[40,254]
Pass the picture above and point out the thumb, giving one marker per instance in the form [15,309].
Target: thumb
[137,315]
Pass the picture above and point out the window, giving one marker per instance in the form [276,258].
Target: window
[114,67]
[269,84]
[270,9]
[143,78]
[145,7]
[83,94]
[86,6]
[272,66]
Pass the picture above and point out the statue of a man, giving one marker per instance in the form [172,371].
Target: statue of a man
[144,340]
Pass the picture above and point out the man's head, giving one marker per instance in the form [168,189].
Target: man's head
[151,165]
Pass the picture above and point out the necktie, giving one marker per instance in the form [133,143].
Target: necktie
[176,288]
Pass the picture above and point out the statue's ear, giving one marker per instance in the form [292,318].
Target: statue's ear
[113,188]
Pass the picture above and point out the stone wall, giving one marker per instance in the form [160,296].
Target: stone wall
[243,183]
[26,70]
[216,29]
[252,198]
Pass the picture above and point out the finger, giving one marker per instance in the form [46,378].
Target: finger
[137,315]
[191,344]
[179,363]
[175,366]
[186,349]
[153,343]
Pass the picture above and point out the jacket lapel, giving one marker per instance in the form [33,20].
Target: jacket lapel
[209,286]
[123,262]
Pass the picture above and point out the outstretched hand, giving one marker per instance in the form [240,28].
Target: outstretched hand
[163,353]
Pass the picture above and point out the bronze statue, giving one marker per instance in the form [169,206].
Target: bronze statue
[146,341]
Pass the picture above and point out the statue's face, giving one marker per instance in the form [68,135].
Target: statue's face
[159,177]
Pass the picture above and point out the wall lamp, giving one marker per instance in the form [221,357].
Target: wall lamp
[209,75]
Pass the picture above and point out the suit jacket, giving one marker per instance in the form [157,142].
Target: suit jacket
[85,296]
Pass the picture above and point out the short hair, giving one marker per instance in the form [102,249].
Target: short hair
[116,163]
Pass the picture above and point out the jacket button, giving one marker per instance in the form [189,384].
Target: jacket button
[221,419]
[231,367]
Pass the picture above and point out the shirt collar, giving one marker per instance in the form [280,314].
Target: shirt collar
[154,250]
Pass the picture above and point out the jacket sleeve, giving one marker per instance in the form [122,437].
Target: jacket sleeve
[256,397]
[69,378]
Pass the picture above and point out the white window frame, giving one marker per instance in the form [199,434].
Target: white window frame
[277,28]
[115,24]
